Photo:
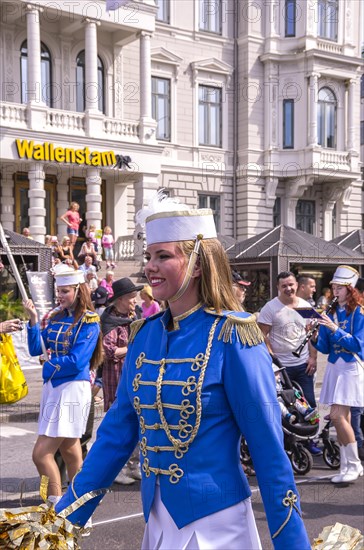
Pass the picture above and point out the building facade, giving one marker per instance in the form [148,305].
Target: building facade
[250,108]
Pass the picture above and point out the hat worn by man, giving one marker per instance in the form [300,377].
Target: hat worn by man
[345,275]
[99,296]
[124,286]
[238,280]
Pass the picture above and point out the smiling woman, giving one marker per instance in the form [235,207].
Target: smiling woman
[190,377]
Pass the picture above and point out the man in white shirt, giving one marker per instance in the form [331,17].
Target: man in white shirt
[306,289]
[284,330]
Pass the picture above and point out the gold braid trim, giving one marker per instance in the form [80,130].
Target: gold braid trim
[290,502]
[135,328]
[90,317]
[246,329]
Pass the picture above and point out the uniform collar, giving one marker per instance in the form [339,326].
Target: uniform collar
[184,318]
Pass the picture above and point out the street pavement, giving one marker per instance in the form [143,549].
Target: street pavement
[118,522]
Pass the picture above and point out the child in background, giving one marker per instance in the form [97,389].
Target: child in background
[149,306]
[91,234]
[107,242]
[309,413]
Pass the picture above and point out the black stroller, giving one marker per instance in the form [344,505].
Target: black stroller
[298,433]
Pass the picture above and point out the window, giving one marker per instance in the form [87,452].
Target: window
[209,116]
[46,74]
[163,13]
[277,212]
[161,106]
[288,124]
[305,216]
[80,83]
[362,132]
[326,118]
[210,16]
[213,202]
[328,19]
[362,87]
[290,18]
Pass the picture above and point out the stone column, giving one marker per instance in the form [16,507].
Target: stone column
[351,123]
[7,199]
[93,197]
[144,189]
[147,124]
[36,194]
[312,103]
[34,76]
[62,204]
[91,81]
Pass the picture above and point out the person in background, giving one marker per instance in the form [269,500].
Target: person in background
[306,289]
[12,325]
[149,306]
[91,234]
[87,248]
[72,219]
[115,326]
[87,266]
[91,281]
[107,243]
[284,329]
[108,283]
[324,299]
[191,374]
[66,375]
[65,253]
[26,233]
[341,337]
[240,287]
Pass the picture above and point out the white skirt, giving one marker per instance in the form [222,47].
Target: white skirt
[64,409]
[233,528]
[343,384]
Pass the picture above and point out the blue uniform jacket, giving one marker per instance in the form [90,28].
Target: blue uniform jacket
[70,350]
[346,340]
[187,395]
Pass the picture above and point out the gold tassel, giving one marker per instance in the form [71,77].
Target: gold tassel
[246,329]
[90,317]
[134,328]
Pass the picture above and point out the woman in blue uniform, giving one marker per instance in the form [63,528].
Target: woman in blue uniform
[74,346]
[341,336]
[196,376]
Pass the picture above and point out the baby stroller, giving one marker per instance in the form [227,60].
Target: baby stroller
[297,429]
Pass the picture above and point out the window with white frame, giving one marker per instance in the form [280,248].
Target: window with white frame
[81,83]
[290,18]
[213,202]
[211,16]
[305,216]
[209,107]
[161,106]
[326,115]
[288,123]
[46,74]
[328,11]
[163,13]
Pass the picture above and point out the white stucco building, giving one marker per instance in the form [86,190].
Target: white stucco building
[251,108]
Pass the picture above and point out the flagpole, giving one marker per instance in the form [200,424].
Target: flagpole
[18,279]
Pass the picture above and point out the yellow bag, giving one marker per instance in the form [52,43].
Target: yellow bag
[13,385]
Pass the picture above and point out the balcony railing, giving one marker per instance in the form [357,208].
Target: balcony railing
[16,115]
[331,47]
[335,158]
[13,114]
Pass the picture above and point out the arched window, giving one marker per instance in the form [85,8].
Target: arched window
[80,83]
[326,115]
[46,74]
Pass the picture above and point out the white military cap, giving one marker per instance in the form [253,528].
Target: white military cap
[166,220]
[67,276]
[345,275]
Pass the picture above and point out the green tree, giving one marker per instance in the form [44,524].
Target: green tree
[10,309]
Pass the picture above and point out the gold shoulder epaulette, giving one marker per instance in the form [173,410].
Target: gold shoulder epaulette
[135,328]
[246,329]
[91,317]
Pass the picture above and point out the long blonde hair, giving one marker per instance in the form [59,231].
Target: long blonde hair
[216,285]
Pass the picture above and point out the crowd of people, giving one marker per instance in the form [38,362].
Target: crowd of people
[178,374]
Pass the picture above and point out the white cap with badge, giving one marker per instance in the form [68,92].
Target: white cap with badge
[345,275]
[66,276]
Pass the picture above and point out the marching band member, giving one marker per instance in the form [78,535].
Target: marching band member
[195,377]
[72,337]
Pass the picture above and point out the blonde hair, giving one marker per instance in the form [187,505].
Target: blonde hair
[216,285]
[74,204]
[107,227]
[147,289]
